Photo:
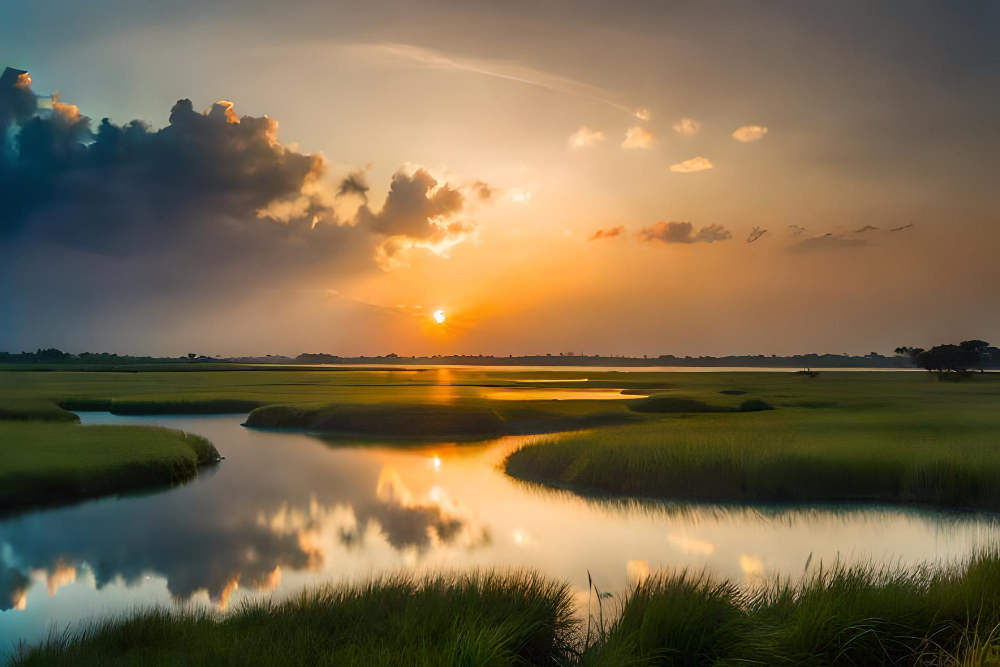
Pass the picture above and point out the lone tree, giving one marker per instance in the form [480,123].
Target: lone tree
[947,359]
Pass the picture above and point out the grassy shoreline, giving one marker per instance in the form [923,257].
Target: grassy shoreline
[52,463]
[944,615]
[515,618]
[686,459]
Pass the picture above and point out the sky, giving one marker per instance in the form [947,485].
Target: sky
[602,178]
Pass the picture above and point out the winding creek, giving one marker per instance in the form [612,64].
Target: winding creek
[285,510]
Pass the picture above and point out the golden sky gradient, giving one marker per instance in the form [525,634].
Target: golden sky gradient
[624,118]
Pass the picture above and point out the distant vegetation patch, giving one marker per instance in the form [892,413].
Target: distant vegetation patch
[45,463]
[495,619]
[384,419]
[669,404]
[755,405]
[35,411]
[467,420]
[733,392]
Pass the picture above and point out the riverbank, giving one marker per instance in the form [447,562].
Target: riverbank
[863,614]
[883,454]
[49,463]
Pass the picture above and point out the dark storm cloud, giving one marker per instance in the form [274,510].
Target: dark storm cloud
[125,188]
[683,232]
[209,207]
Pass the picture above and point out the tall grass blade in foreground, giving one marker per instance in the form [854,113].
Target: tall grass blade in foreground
[865,614]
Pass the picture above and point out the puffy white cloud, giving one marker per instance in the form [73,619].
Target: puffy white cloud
[638,137]
[687,126]
[585,136]
[749,133]
[692,165]
[643,114]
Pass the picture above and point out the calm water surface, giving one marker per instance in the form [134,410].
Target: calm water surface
[286,510]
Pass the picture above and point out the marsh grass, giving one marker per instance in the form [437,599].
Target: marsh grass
[766,456]
[488,618]
[45,463]
[861,614]
[35,410]
[665,403]
[864,614]
[385,419]
[464,420]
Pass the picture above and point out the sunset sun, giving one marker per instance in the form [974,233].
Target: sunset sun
[439,316]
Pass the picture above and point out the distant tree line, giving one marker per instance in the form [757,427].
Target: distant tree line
[52,355]
[953,361]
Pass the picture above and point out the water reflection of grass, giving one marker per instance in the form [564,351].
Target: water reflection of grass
[43,463]
[805,513]
[867,614]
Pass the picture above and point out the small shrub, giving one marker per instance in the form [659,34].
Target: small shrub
[755,405]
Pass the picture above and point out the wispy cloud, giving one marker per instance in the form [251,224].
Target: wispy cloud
[692,165]
[638,137]
[585,136]
[687,126]
[749,133]
[866,228]
[505,70]
[609,233]
[828,241]
[683,232]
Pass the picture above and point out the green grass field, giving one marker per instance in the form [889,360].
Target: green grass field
[881,437]
[894,437]
[867,614]
[43,463]
[472,619]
